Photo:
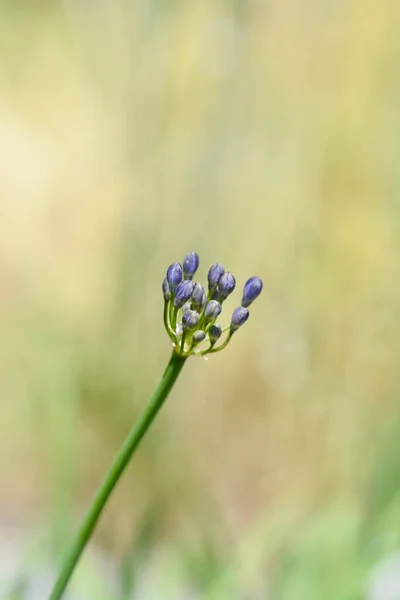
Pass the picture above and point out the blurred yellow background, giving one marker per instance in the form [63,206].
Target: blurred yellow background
[261,134]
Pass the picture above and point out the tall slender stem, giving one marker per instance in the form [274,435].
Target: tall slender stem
[110,480]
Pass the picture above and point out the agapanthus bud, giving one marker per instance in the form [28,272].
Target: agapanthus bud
[226,285]
[213,310]
[252,289]
[166,290]
[190,320]
[183,292]
[174,276]
[198,337]
[186,307]
[214,275]
[197,296]
[239,318]
[190,265]
[214,333]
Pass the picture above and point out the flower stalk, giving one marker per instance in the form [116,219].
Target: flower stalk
[122,459]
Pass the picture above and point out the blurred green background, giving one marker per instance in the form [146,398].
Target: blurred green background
[262,134]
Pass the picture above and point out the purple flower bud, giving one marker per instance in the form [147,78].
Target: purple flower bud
[239,317]
[190,320]
[190,265]
[252,289]
[214,275]
[226,285]
[198,337]
[166,290]
[174,276]
[186,307]
[213,310]
[214,333]
[197,296]
[183,292]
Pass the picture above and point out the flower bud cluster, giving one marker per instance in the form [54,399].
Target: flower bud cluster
[190,313]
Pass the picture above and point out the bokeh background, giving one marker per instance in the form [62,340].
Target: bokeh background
[262,134]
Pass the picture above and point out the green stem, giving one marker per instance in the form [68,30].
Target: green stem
[171,311]
[175,317]
[183,342]
[212,350]
[167,324]
[109,482]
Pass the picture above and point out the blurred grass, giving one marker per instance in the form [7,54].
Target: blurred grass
[265,136]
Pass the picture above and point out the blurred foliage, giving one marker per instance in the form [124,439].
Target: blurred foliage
[261,134]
